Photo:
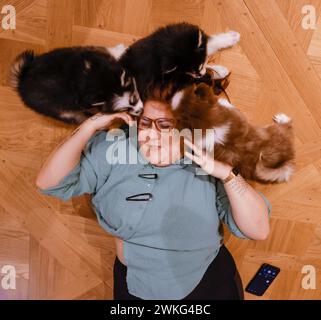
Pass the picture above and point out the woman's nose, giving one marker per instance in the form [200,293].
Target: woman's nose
[153,129]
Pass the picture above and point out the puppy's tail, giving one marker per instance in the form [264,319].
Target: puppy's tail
[19,67]
[281,173]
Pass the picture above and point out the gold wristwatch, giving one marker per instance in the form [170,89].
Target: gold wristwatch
[233,173]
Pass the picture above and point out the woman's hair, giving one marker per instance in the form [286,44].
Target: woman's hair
[162,93]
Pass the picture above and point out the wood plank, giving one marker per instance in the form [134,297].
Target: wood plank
[287,49]
[268,67]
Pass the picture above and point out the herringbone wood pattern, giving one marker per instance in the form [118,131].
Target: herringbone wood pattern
[57,247]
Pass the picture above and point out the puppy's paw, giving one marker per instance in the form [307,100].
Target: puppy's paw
[220,72]
[232,38]
[281,118]
[222,41]
[228,39]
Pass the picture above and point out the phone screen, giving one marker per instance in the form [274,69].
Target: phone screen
[262,279]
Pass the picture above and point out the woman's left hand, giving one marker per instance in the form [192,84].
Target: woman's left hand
[207,162]
[249,210]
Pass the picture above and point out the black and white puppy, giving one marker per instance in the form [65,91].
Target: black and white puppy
[70,84]
[177,52]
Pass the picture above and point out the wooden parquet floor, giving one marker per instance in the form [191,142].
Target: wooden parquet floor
[58,248]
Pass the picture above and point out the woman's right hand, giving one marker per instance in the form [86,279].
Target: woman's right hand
[101,121]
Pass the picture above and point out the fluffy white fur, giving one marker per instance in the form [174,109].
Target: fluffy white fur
[225,103]
[220,72]
[117,51]
[222,41]
[216,135]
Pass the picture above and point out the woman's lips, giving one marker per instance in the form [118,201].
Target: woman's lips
[151,145]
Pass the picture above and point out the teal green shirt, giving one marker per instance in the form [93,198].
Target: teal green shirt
[170,240]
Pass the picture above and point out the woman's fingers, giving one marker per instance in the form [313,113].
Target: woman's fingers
[103,120]
[195,148]
[130,119]
[126,117]
[194,158]
[189,155]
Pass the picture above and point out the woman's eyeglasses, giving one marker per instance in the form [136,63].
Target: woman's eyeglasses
[144,122]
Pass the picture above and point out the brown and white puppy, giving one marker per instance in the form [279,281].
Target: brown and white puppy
[265,154]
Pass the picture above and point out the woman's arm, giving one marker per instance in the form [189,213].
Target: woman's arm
[67,154]
[249,209]
[64,157]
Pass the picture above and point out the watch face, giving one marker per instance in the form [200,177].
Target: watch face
[236,171]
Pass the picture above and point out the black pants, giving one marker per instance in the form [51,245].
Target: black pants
[221,281]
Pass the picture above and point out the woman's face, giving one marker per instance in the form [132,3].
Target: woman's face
[159,148]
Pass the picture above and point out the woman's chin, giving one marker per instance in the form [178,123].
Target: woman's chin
[155,157]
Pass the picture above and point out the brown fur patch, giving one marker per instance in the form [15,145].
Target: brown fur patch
[265,154]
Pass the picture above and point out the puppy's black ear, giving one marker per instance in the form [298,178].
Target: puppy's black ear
[201,90]
[201,41]
[200,48]
[125,79]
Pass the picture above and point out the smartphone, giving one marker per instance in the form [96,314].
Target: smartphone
[262,279]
